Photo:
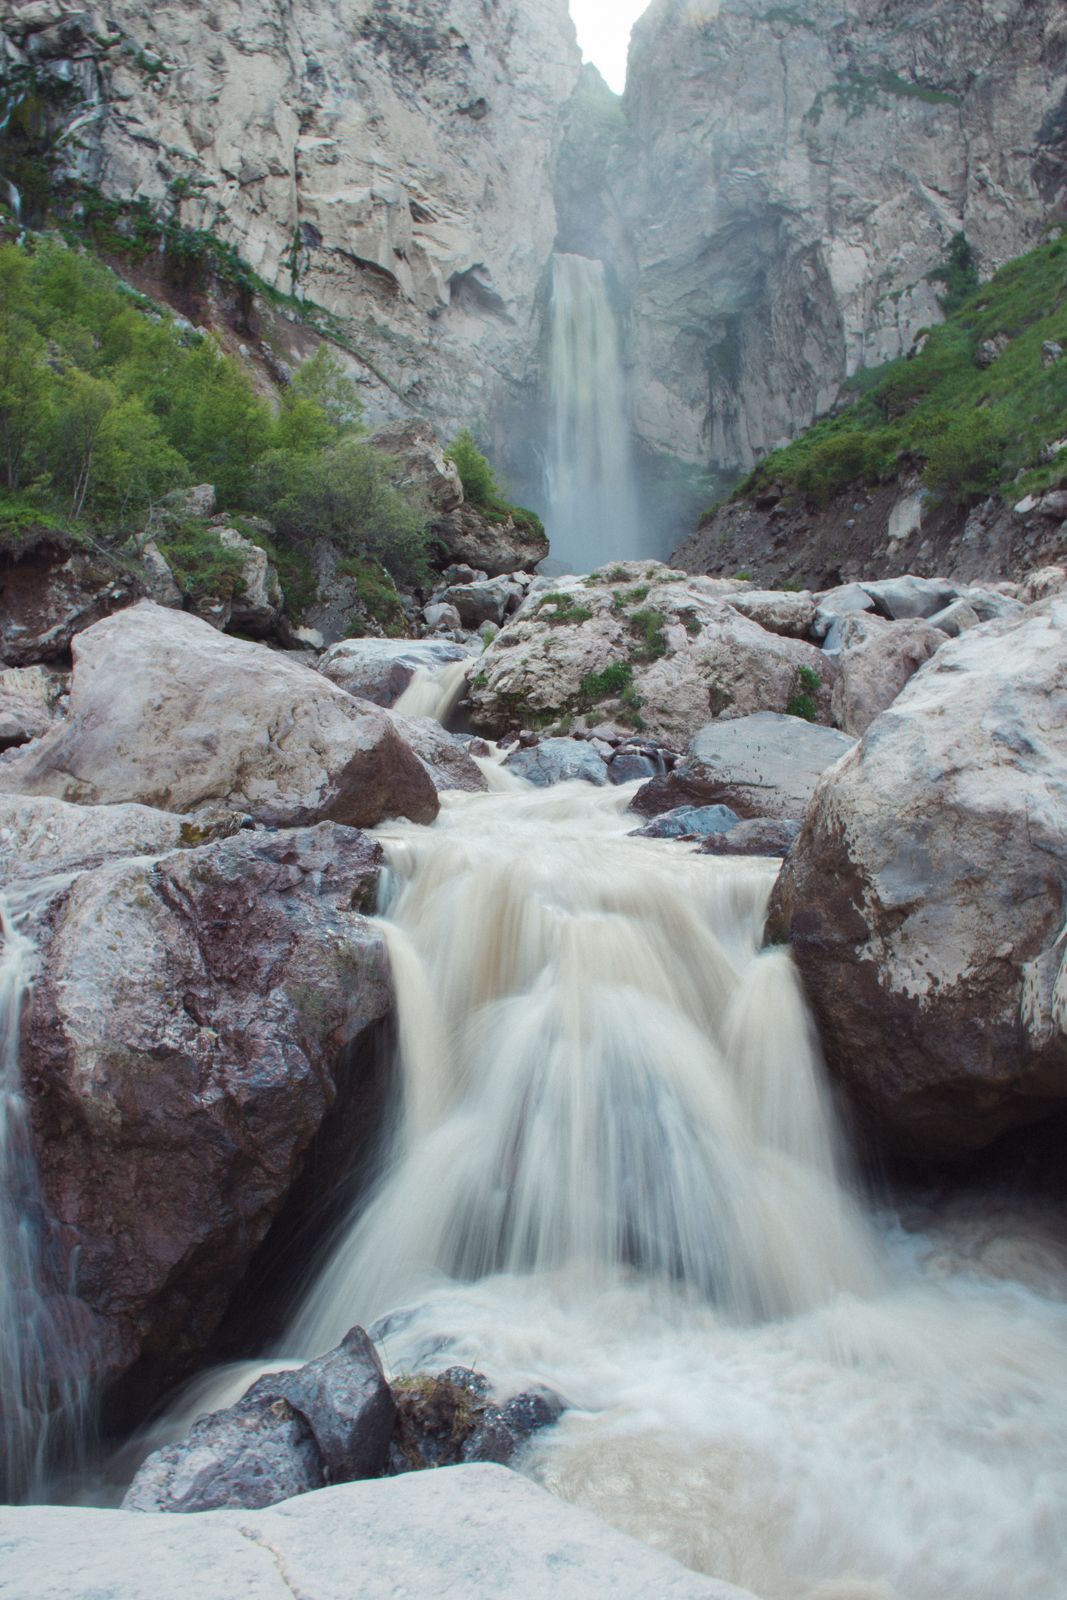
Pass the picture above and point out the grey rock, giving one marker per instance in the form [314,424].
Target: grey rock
[756,836]
[956,618]
[837,603]
[31,702]
[876,660]
[445,757]
[909,596]
[924,896]
[329,1421]
[768,760]
[558,761]
[690,822]
[479,602]
[443,616]
[627,767]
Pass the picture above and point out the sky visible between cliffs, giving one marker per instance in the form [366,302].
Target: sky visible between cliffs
[604,34]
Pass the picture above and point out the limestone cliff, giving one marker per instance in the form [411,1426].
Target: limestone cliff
[791,176]
[389,160]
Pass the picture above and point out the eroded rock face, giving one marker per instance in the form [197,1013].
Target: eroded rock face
[925,896]
[184,1044]
[165,711]
[638,641]
[793,176]
[48,594]
[389,162]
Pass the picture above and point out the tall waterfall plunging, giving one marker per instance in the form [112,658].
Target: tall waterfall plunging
[41,1387]
[614,1171]
[593,514]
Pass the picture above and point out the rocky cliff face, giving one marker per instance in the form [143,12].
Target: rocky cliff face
[794,173]
[389,160]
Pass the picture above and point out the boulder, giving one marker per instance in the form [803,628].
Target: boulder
[925,896]
[477,1532]
[630,766]
[558,761]
[877,659]
[444,756]
[442,617]
[39,835]
[30,703]
[50,591]
[689,822]
[421,468]
[167,712]
[909,596]
[778,610]
[480,602]
[956,618]
[159,581]
[1044,582]
[638,645]
[756,836]
[833,604]
[195,1017]
[381,669]
[328,1421]
[257,597]
[759,766]
[494,544]
[450,1418]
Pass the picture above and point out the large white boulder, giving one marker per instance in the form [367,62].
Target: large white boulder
[877,658]
[925,895]
[459,1533]
[166,711]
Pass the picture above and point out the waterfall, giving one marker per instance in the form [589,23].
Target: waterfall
[434,693]
[615,1172]
[42,1393]
[593,514]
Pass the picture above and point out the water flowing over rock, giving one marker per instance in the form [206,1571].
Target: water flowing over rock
[792,178]
[187,1037]
[925,895]
[381,669]
[479,1531]
[592,489]
[165,711]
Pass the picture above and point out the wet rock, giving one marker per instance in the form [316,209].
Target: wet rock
[628,766]
[477,1531]
[689,822]
[196,1016]
[328,1421]
[165,711]
[756,836]
[558,761]
[449,1418]
[381,669]
[38,834]
[924,896]
[877,659]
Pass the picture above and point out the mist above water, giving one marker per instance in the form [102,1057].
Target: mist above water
[592,513]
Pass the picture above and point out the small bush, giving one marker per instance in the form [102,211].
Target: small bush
[809,679]
[615,680]
[566,609]
[199,560]
[802,705]
[648,627]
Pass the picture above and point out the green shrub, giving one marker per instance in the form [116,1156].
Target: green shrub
[481,488]
[648,627]
[199,560]
[378,597]
[566,609]
[802,705]
[615,680]
[809,679]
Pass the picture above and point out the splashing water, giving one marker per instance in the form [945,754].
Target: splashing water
[42,1392]
[616,1174]
[592,493]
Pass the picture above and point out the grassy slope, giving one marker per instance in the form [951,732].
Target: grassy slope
[970,430]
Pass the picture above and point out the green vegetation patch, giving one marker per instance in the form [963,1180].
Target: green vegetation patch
[558,608]
[199,560]
[481,488]
[648,628]
[970,429]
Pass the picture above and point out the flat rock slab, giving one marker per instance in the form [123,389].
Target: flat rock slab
[459,1533]
[781,756]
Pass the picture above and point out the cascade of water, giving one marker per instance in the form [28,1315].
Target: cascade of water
[600,1073]
[434,694]
[42,1392]
[616,1174]
[593,514]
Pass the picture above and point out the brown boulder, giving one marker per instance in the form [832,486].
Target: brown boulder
[189,1032]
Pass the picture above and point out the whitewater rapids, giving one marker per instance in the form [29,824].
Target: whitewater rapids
[615,1171]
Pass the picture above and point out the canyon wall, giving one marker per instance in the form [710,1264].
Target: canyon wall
[791,175]
[388,160]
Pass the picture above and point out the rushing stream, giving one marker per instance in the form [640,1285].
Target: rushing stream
[616,1174]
